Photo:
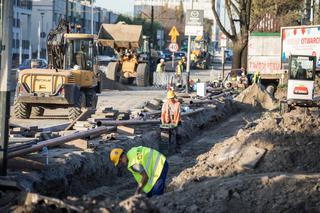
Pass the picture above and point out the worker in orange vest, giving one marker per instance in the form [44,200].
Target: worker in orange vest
[171,115]
[171,112]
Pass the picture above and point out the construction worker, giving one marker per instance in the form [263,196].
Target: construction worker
[193,59]
[148,167]
[81,57]
[243,82]
[171,115]
[171,112]
[184,62]
[256,77]
[161,66]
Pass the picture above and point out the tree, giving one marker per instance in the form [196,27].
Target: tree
[238,12]
[207,28]
[288,12]
[180,12]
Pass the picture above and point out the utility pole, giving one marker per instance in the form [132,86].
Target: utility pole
[92,31]
[188,58]
[67,10]
[152,20]
[20,46]
[5,73]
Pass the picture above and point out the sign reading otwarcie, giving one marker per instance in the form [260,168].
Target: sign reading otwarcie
[194,23]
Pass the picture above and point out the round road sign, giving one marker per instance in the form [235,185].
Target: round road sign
[173,47]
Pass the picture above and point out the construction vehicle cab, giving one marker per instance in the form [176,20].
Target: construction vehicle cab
[132,63]
[71,80]
[301,83]
[201,53]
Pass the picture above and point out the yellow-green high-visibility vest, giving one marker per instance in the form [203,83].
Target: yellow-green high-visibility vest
[152,162]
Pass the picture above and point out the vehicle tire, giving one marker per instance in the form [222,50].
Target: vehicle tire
[112,71]
[142,75]
[284,108]
[22,110]
[76,110]
[37,111]
[91,98]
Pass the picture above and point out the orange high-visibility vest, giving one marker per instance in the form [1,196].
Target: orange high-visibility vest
[171,113]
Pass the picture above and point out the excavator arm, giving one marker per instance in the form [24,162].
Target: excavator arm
[55,45]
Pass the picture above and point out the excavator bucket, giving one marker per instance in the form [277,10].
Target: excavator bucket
[120,35]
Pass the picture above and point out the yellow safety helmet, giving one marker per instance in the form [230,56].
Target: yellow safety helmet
[170,94]
[115,155]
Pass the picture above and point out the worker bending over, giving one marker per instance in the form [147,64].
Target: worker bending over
[148,167]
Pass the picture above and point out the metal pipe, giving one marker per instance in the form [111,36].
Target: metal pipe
[104,122]
[193,112]
[211,100]
[61,140]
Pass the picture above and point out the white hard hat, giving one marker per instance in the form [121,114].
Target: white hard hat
[161,60]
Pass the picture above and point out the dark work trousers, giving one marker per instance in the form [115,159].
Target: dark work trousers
[160,185]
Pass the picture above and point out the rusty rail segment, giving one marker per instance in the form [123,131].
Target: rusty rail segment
[61,140]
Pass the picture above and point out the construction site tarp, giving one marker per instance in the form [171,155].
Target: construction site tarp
[120,35]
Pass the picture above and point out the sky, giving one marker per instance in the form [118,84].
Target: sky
[120,6]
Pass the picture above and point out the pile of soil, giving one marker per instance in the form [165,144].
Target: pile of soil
[256,96]
[273,143]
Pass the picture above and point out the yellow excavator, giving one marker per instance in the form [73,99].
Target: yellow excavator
[71,80]
[200,54]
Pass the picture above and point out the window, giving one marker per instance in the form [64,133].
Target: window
[302,68]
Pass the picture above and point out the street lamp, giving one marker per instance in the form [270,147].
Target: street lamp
[21,37]
[42,35]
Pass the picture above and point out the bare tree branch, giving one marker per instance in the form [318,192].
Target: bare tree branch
[235,8]
[217,18]
[232,24]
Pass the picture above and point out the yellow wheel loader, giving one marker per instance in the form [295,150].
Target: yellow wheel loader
[71,81]
[132,64]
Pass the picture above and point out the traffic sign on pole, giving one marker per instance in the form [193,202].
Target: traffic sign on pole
[174,34]
[173,47]
[194,23]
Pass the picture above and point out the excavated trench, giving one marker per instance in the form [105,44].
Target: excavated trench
[90,175]
[251,161]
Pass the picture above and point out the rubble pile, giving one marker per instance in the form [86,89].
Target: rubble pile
[256,96]
[269,144]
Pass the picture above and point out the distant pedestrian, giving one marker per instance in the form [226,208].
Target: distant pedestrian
[161,66]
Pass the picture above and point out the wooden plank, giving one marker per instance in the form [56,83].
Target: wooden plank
[23,164]
[125,130]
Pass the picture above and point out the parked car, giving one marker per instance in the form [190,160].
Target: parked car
[178,55]
[26,64]
[228,54]
[167,55]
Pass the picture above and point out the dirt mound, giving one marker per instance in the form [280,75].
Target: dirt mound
[256,95]
[249,193]
[270,144]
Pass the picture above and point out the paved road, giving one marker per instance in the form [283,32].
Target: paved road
[125,98]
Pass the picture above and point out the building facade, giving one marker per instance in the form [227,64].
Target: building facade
[46,15]
[205,5]
[21,45]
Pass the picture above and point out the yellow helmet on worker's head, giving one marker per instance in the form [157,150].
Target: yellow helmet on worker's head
[170,94]
[115,155]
